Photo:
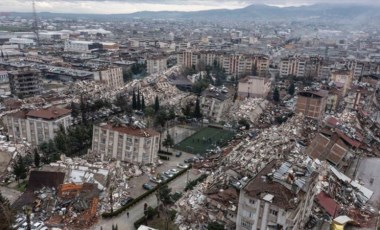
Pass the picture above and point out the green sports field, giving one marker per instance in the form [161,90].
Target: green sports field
[204,139]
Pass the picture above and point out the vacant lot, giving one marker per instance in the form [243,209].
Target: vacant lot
[204,139]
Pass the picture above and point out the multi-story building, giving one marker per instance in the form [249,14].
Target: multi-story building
[214,104]
[156,64]
[342,78]
[125,143]
[36,126]
[25,83]
[236,65]
[187,59]
[253,87]
[88,46]
[111,77]
[312,104]
[280,196]
[5,89]
[293,66]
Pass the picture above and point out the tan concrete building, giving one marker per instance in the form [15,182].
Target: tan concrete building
[280,196]
[125,143]
[112,77]
[36,126]
[187,59]
[312,104]
[253,87]
[293,66]
[156,64]
[342,78]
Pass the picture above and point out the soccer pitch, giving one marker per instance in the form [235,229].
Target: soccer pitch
[204,139]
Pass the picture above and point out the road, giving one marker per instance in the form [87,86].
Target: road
[137,211]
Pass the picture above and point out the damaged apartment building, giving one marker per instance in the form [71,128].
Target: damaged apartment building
[280,196]
[125,142]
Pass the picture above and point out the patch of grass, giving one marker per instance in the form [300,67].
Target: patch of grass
[204,139]
[21,186]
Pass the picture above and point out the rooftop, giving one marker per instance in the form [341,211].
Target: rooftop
[48,114]
[279,185]
[130,130]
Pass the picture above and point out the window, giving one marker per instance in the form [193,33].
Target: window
[246,225]
[251,201]
[273,212]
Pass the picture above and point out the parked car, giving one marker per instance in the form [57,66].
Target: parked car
[178,154]
[37,226]
[168,174]
[174,171]
[44,228]
[163,177]
[190,160]
[18,222]
[155,180]
[126,201]
[148,186]
[182,166]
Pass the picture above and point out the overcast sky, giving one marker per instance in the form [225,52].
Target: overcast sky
[129,6]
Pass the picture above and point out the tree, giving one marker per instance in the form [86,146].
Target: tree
[37,158]
[161,118]
[276,95]
[291,88]
[171,114]
[19,169]
[74,110]
[156,104]
[168,142]
[163,195]
[111,199]
[215,226]
[244,122]
[197,110]
[187,110]
[142,103]
[138,101]
[134,102]
[83,109]
[7,214]
[122,102]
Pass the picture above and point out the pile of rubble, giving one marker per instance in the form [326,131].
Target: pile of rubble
[249,108]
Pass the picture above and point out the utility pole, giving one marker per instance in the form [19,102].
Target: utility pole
[35,24]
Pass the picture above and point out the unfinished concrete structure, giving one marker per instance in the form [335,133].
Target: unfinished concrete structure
[312,104]
[25,83]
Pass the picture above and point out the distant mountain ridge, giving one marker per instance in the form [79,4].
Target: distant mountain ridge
[250,13]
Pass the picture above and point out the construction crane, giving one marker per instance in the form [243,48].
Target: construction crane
[35,24]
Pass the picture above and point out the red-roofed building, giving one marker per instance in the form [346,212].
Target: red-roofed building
[126,143]
[36,126]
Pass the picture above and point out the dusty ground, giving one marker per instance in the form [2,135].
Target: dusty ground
[5,158]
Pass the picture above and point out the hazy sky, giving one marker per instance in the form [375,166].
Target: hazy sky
[129,6]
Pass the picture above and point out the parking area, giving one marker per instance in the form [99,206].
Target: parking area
[136,183]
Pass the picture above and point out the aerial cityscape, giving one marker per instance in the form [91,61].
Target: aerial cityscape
[189,115]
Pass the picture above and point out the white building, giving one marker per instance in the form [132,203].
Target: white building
[253,87]
[280,196]
[156,64]
[112,77]
[5,89]
[21,42]
[126,143]
[36,126]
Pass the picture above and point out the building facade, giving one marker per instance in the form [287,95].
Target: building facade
[342,78]
[276,198]
[5,89]
[25,83]
[111,77]
[253,87]
[156,64]
[36,126]
[312,104]
[125,143]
